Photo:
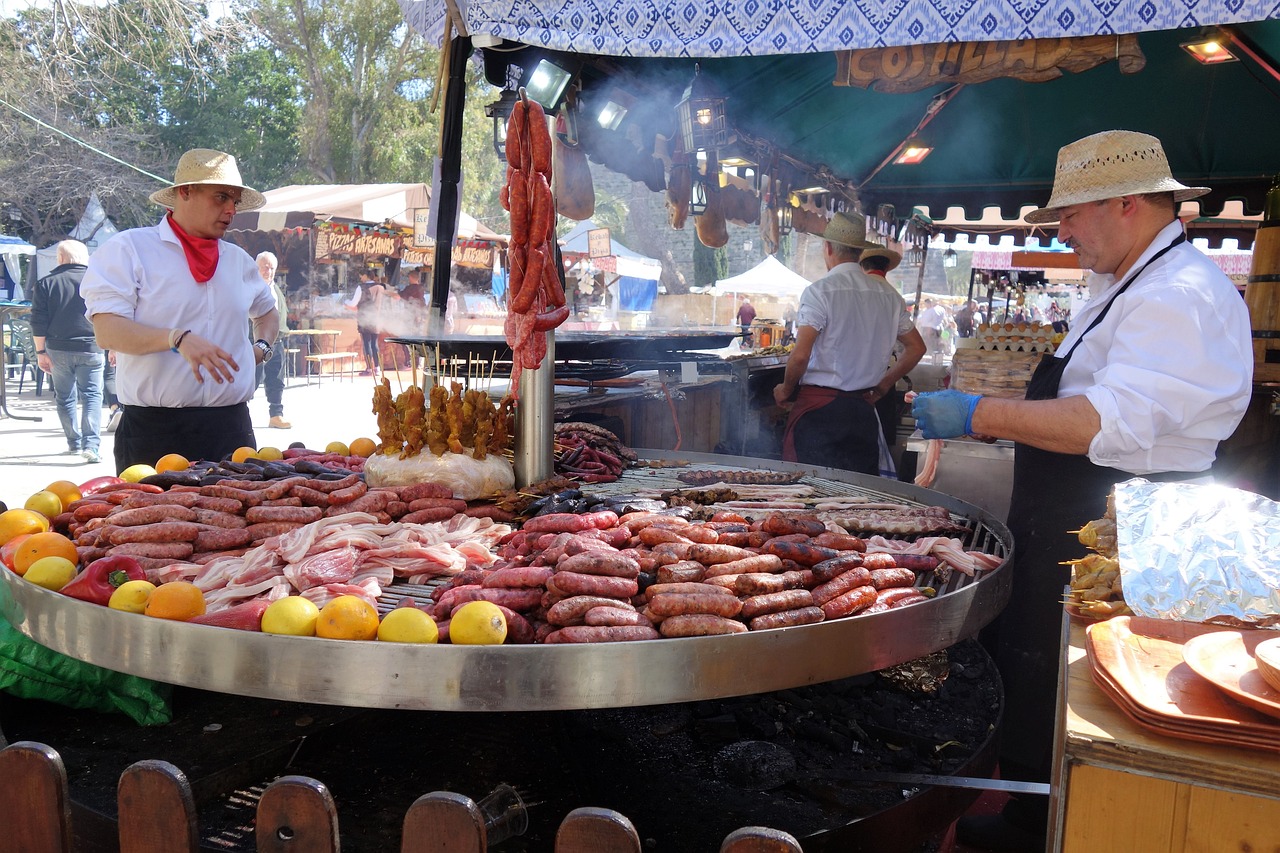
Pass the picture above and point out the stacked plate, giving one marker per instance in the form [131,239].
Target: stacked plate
[1186,680]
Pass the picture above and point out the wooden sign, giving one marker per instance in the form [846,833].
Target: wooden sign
[1045,260]
[598,243]
[913,67]
[421,228]
[329,243]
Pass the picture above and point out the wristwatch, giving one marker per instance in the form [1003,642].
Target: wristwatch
[265,347]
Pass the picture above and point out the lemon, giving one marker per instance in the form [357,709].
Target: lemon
[478,623]
[51,572]
[337,447]
[292,615]
[270,454]
[408,625]
[348,617]
[44,502]
[131,596]
[134,473]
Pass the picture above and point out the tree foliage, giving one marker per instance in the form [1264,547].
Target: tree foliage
[709,265]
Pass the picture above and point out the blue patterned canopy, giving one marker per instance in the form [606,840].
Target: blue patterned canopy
[729,28]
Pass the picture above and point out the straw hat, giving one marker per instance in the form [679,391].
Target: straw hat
[874,250]
[848,229]
[206,166]
[1108,165]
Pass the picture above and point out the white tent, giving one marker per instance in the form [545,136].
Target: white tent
[11,251]
[767,278]
[93,229]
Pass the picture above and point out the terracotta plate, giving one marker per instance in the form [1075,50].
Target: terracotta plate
[1226,659]
[1267,656]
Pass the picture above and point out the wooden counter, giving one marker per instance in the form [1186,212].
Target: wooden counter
[1121,788]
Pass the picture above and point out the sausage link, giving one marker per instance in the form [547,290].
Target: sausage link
[330,486]
[99,509]
[277,489]
[781,525]
[776,602]
[849,603]
[801,552]
[676,552]
[729,582]
[425,516]
[221,538]
[572,610]
[600,616]
[700,625]
[309,496]
[840,541]
[758,563]
[601,634]
[701,534]
[600,563]
[159,550]
[281,501]
[518,577]
[710,555]
[516,599]
[162,531]
[373,502]
[245,497]
[417,491]
[136,499]
[670,604]
[684,571]
[839,586]
[788,618]
[435,503]
[829,570]
[655,535]
[345,496]
[885,578]
[520,632]
[916,562]
[891,595]
[575,583]
[558,522]
[296,514]
[150,515]
[879,561]
[230,505]
[267,529]
[693,588]
[762,584]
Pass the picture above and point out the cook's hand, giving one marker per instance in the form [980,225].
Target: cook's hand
[945,414]
[43,362]
[782,396]
[202,353]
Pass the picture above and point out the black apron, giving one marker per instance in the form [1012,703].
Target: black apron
[1053,493]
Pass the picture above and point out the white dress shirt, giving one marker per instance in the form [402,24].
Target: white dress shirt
[1170,368]
[858,317]
[142,275]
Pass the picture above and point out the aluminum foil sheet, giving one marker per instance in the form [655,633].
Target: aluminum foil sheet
[1199,552]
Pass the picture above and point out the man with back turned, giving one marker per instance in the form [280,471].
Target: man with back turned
[171,301]
[1155,372]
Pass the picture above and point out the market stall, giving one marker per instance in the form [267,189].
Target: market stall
[615,286]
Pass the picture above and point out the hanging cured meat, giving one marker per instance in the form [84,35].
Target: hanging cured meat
[571,185]
[535,289]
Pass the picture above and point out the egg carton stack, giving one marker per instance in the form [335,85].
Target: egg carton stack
[1016,337]
[1001,358]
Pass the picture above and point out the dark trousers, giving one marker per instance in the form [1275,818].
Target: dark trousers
[145,434]
[842,434]
[271,374]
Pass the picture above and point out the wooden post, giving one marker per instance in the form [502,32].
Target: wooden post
[446,200]
[157,813]
[34,800]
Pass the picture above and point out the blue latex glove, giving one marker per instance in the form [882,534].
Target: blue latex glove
[945,414]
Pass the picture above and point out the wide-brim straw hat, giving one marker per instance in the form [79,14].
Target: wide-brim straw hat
[1109,165]
[848,229]
[206,166]
[875,250]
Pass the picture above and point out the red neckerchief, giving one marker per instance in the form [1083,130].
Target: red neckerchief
[201,252]
[879,273]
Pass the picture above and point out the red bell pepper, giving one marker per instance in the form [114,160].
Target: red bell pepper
[103,577]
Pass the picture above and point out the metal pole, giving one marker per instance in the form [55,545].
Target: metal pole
[446,200]
[535,420]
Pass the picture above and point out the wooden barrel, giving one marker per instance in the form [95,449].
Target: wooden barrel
[1262,294]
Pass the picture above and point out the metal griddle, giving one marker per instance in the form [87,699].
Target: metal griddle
[582,346]
[536,677]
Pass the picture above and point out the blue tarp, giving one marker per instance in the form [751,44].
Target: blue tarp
[636,294]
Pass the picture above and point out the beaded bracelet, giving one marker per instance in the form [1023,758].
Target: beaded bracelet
[177,343]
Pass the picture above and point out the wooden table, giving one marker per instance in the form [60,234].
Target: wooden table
[1121,788]
[315,353]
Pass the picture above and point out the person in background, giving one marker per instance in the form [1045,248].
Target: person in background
[67,351]
[109,391]
[964,319]
[367,302]
[746,316]
[878,261]
[847,325]
[272,370]
[930,323]
[171,301]
[1157,370]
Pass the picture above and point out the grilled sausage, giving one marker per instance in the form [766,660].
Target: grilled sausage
[230,505]
[916,562]
[885,578]
[781,525]
[788,618]
[776,602]
[801,552]
[221,538]
[695,588]
[849,603]
[357,489]
[700,625]
[839,586]
[655,535]
[163,531]
[840,541]
[296,514]
[575,583]
[667,605]
[151,515]
[601,634]
[416,491]
[593,562]
[829,570]
[710,555]
[756,583]
[159,550]
[614,616]
[684,571]
[754,564]
[879,561]
[572,610]
[517,577]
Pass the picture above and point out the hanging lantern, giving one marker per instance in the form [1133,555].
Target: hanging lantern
[950,258]
[500,111]
[701,115]
[784,220]
[698,195]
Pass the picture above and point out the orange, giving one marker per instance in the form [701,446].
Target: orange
[363,447]
[44,502]
[178,600]
[172,462]
[243,453]
[43,545]
[10,548]
[348,617]
[17,521]
[67,492]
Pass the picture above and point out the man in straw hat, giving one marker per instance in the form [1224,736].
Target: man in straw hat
[839,368]
[171,300]
[1156,370]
